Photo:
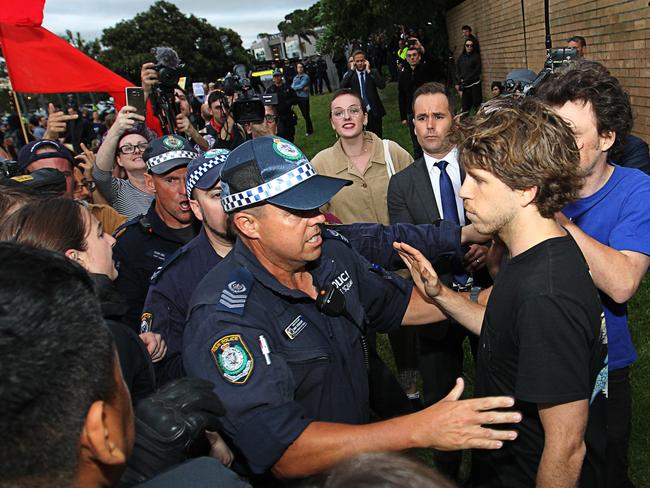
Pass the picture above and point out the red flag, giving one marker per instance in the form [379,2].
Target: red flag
[22,12]
[41,62]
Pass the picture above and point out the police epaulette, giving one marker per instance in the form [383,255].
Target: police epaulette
[178,252]
[234,295]
[118,232]
[328,232]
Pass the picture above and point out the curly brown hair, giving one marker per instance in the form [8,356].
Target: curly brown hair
[589,81]
[524,144]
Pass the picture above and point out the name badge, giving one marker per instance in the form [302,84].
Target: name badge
[296,327]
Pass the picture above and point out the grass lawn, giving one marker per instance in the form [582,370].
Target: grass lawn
[324,136]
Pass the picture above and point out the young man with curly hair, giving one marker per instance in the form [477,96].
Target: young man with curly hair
[541,338]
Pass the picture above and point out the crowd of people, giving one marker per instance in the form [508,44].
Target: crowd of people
[200,308]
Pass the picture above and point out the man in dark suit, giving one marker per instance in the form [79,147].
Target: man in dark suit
[422,193]
[365,81]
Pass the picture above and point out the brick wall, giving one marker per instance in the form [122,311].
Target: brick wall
[617,33]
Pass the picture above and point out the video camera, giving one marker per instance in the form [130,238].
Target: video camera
[170,70]
[555,57]
[248,107]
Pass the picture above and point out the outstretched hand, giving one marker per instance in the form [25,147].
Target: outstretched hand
[453,424]
[424,277]
[56,122]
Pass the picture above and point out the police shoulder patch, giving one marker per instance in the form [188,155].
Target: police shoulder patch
[234,294]
[233,359]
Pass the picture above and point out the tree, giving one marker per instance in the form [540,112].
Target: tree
[198,44]
[347,20]
[89,48]
[300,23]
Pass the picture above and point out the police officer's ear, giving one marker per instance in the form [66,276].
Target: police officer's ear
[148,182]
[196,209]
[247,222]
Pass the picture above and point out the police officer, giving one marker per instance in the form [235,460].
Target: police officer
[145,242]
[171,287]
[287,118]
[277,328]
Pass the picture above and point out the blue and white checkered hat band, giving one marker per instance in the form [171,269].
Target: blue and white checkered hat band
[197,174]
[268,190]
[168,156]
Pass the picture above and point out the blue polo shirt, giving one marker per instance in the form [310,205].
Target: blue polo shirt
[617,215]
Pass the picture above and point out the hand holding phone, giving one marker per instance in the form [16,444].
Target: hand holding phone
[135,99]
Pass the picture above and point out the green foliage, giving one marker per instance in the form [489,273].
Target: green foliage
[347,20]
[128,44]
[89,48]
[300,23]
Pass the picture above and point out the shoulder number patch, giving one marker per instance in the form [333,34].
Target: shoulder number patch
[233,359]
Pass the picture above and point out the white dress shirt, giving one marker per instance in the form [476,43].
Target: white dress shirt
[453,170]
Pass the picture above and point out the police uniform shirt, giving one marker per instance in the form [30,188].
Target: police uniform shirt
[276,361]
[171,288]
[141,248]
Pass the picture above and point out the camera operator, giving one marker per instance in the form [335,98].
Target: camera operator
[183,123]
[267,127]
[222,132]
[287,118]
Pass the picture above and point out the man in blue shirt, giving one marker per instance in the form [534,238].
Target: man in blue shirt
[277,327]
[611,224]
[300,85]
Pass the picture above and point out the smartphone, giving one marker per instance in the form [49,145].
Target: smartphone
[135,98]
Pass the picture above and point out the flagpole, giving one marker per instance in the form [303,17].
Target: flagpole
[20,115]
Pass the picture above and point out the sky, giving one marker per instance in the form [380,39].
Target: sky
[248,18]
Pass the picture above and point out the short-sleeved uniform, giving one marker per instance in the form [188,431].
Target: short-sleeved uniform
[174,282]
[617,215]
[142,246]
[314,368]
[542,341]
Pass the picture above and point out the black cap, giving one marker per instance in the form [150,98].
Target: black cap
[27,154]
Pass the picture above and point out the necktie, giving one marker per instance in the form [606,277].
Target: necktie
[450,212]
[447,194]
[363,90]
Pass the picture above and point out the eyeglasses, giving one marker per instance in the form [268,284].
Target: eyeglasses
[90,185]
[130,148]
[469,45]
[353,112]
[270,118]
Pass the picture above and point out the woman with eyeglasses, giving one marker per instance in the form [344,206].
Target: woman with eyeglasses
[123,146]
[359,156]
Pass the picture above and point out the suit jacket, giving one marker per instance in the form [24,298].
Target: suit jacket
[374,81]
[411,200]
[410,195]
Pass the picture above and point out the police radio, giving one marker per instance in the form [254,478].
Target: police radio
[331,301]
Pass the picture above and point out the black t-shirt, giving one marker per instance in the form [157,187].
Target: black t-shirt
[542,341]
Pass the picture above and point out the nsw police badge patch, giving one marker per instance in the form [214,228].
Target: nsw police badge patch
[233,359]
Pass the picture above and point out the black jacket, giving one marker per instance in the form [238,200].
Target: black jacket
[468,69]
[374,81]
[135,362]
[410,80]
